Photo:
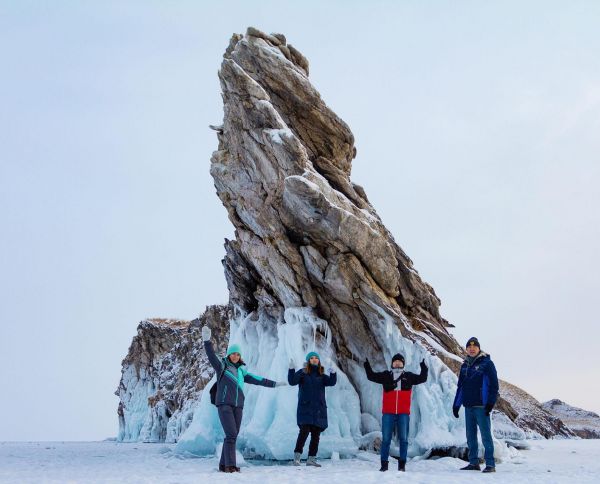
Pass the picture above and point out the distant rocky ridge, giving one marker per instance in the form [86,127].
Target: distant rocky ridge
[529,414]
[583,423]
[307,241]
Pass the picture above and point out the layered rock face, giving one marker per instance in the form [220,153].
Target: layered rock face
[164,374]
[307,240]
[306,236]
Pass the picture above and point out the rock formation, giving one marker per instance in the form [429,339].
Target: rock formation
[306,236]
[583,423]
[312,266]
[529,414]
[163,376]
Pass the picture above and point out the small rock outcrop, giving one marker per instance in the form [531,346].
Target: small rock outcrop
[530,415]
[164,374]
[583,423]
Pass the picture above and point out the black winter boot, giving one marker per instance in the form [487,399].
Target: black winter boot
[402,465]
[489,469]
[384,466]
[471,467]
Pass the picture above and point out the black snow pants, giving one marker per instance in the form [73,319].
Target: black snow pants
[231,420]
[315,434]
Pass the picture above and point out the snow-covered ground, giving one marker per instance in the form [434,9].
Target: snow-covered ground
[111,462]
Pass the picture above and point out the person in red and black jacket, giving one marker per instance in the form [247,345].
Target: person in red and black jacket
[397,390]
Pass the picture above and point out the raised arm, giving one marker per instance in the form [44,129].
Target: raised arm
[330,380]
[421,377]
[295,377]
[214,360]
[376,377]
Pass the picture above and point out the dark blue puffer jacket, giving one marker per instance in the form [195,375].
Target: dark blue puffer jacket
[312,408]
[477,383]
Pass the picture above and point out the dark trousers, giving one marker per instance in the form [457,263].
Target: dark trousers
[315,434]
[231,420]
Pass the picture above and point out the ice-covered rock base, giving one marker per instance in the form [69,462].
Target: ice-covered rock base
[269,427]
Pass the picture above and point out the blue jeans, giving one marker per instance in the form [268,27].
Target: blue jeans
[400,422]
[474,417]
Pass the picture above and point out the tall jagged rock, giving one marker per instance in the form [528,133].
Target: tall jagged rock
[310,251]
[306,236]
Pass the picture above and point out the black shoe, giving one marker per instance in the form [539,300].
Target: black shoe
[384,466]
[489,469]
[471,467]
[402,465]
[221,468]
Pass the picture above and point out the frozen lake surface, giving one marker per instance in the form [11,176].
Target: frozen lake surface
[554,461]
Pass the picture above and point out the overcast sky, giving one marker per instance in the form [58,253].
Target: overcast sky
[477,127]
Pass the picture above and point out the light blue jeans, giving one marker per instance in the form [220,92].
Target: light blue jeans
[476,417]
[389,421]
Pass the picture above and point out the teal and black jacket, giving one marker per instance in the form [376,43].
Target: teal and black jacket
[231,379]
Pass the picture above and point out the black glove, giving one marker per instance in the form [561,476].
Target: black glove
[366,363]
[423,365]
[455,411]
[488,409]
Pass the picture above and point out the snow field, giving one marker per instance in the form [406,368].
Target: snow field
[548,461]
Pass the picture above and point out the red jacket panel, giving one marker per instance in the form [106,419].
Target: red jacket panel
[396,401]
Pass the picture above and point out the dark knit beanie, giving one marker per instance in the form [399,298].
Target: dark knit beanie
[473,340]
[398,356]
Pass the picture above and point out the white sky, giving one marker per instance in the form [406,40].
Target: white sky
[476,125]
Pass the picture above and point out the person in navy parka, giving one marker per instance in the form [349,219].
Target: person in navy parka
[477,391]
[312,407]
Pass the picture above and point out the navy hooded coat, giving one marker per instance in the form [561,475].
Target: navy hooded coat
[312,407]
[477,383]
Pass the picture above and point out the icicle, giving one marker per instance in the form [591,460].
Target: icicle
[328,336]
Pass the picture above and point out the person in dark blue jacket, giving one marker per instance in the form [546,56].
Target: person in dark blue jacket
[312,408]
[477,391]
[231,376]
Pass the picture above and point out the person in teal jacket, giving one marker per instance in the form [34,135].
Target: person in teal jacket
[231,375]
